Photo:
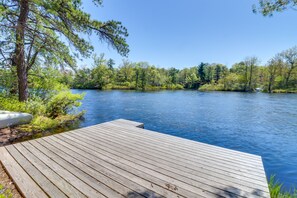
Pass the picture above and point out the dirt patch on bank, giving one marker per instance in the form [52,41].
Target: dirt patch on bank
[10,135]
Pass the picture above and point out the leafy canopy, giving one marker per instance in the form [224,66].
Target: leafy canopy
[55,32]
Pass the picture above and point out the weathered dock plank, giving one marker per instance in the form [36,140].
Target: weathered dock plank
[23,181]
[121,159]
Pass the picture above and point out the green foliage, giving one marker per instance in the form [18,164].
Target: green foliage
[45,81]
[275,189]
[34,107]
[280,73]
[212,87]
[139,76]
[232,82]
[50,100]
[48,114]
[5,193]
[62,103]
[268,7]
[43,123]
[41,33]
[48,21]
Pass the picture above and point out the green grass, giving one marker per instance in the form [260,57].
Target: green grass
[277,191]
[284,91]
[5,193]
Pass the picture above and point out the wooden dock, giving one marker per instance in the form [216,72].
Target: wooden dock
[120,159]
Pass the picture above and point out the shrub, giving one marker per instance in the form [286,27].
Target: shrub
[11,104]
[174,86]
[62,103]
[43,123]
[212,87]
[34,107]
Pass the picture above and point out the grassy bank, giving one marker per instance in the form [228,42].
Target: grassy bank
[221,87]
[128,86]
[277,191]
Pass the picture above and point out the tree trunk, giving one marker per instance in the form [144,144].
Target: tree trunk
[19,58]
[271,79]
[289,75]
[251,77]
[246,78]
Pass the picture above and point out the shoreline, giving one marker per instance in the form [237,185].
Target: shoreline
[208,90]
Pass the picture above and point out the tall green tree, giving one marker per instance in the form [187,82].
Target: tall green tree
[110,63]
[251,65]
[126,72]
[37,31]
[173,75]
[101,74]
[201,72]
[273,66]
[290,57]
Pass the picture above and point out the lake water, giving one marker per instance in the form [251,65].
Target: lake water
[257,123]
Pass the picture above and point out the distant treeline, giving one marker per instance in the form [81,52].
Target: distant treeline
[278,75]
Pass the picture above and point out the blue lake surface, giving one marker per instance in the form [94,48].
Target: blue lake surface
[257,123]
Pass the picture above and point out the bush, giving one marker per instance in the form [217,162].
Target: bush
[212,87]
[34,107]
[174,86]
[47,114]
[11,104]
[62,103]
[43,123]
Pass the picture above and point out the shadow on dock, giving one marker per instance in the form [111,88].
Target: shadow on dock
[148,194]
[233,192]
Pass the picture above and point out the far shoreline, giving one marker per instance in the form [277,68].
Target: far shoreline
[185,89]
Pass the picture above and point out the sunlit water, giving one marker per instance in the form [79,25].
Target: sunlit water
[257,123]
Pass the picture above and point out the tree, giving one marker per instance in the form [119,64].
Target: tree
[250,67]
[143,74]
[34,31]
[201,72]
[232,82]
[137,75]
[218,70]
[268,7]
[209,73]
[99,60]
[173,75]
[290,57]
[273,66]
[101,74]
[110,63]
[154,76]
[191,80]
[126,72]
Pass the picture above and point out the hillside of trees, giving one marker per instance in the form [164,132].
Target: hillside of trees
[278,75]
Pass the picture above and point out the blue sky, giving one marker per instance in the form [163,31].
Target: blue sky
[183,33]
